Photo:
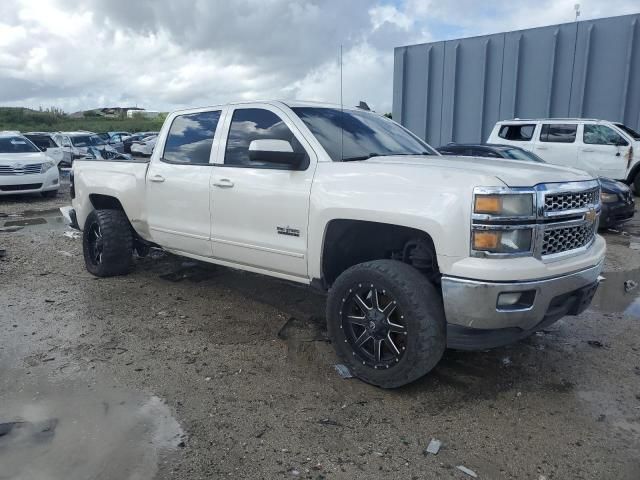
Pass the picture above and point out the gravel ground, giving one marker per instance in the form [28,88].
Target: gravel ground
[183,370]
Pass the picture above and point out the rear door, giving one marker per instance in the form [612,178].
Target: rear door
[556,144]
[260,211]
[604,152]
[178,183]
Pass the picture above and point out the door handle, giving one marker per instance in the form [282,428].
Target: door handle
[223,183]
[617,154]
[539,147]
[156,178]
[588,150]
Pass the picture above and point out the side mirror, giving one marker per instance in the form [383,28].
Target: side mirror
[274,151]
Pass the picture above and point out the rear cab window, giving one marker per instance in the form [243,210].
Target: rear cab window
[558,132]
[190,138]
[517,132]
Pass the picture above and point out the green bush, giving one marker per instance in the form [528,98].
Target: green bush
[26,120]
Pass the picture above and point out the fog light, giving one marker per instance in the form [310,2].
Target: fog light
[508,299]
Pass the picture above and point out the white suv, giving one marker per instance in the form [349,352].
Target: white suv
[602,148]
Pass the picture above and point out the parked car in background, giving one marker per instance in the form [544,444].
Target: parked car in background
[144,147]
[114,139]
[48,144]
[136,137]
[602,148]
[618,204]
[417,251]
[95,153]
[24,168]
[81,141]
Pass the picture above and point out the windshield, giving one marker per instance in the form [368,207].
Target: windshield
[16,145]
[628,131]
[42,141]
[352,135]
[517,154]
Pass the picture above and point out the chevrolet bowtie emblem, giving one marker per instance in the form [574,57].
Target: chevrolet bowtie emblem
[591,215]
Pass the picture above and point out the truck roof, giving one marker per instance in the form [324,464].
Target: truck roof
[288,103]
[552,120]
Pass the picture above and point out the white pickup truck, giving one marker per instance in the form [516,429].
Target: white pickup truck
[417,251]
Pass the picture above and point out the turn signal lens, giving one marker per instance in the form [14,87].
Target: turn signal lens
[486,240]
[491,204]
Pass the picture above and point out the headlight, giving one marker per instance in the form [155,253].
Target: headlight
[502,241]
[504,205]
[46,166]
[608,197]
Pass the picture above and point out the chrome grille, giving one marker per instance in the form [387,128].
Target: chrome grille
[558,240]
[29,169]
[560,202]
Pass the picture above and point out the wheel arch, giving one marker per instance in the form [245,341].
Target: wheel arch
[347,242]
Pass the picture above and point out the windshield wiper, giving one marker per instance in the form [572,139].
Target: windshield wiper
[361,157]
[389,154]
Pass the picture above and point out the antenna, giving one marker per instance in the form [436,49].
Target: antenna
[341,111]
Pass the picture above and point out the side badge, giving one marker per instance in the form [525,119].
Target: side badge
[292,232]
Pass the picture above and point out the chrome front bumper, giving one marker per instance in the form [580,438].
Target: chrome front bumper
[473,304]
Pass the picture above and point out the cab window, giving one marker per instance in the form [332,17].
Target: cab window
[190,138]
[558,132]
[249,124]
[517,133]
[602,135]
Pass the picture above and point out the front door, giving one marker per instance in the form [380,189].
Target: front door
[178,184]
[604,152]
[260,211]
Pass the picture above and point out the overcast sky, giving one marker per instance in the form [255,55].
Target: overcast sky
[169,54]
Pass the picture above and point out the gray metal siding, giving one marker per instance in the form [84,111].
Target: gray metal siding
[456,90]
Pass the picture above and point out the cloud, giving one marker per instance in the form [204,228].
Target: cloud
[166,54]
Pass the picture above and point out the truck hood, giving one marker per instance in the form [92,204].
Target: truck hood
[20,159]
[513,173]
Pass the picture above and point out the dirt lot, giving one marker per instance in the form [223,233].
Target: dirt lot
[181,370]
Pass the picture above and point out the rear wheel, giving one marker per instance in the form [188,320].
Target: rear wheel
[107,243]
[387,323]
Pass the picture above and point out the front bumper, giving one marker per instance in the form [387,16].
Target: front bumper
[32,183]
[616,213]
[476,321]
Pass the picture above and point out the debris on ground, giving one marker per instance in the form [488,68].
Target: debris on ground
[433,447]
[595,343]
[506,361]
[15,228]
[3,252]
[42,430]
[66,254]
[468,471]
[630,285]
[72,234]
[343,370]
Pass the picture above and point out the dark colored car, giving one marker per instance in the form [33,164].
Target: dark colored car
[618,205]
[136,137]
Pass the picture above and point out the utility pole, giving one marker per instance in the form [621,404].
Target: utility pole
[576,7]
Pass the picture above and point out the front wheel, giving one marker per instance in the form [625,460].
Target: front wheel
[107,243]
[387,323]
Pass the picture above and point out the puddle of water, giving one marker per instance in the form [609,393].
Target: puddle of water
[79,433]
[48,220]
[612,297]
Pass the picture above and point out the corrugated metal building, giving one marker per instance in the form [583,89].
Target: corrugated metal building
[455,91]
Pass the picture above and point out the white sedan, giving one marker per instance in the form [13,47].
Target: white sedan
[144,147]
[25,169]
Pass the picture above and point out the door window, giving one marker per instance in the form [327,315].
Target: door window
[190,138]
[558,132]
[602,135]
[518,133]
[250,124]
